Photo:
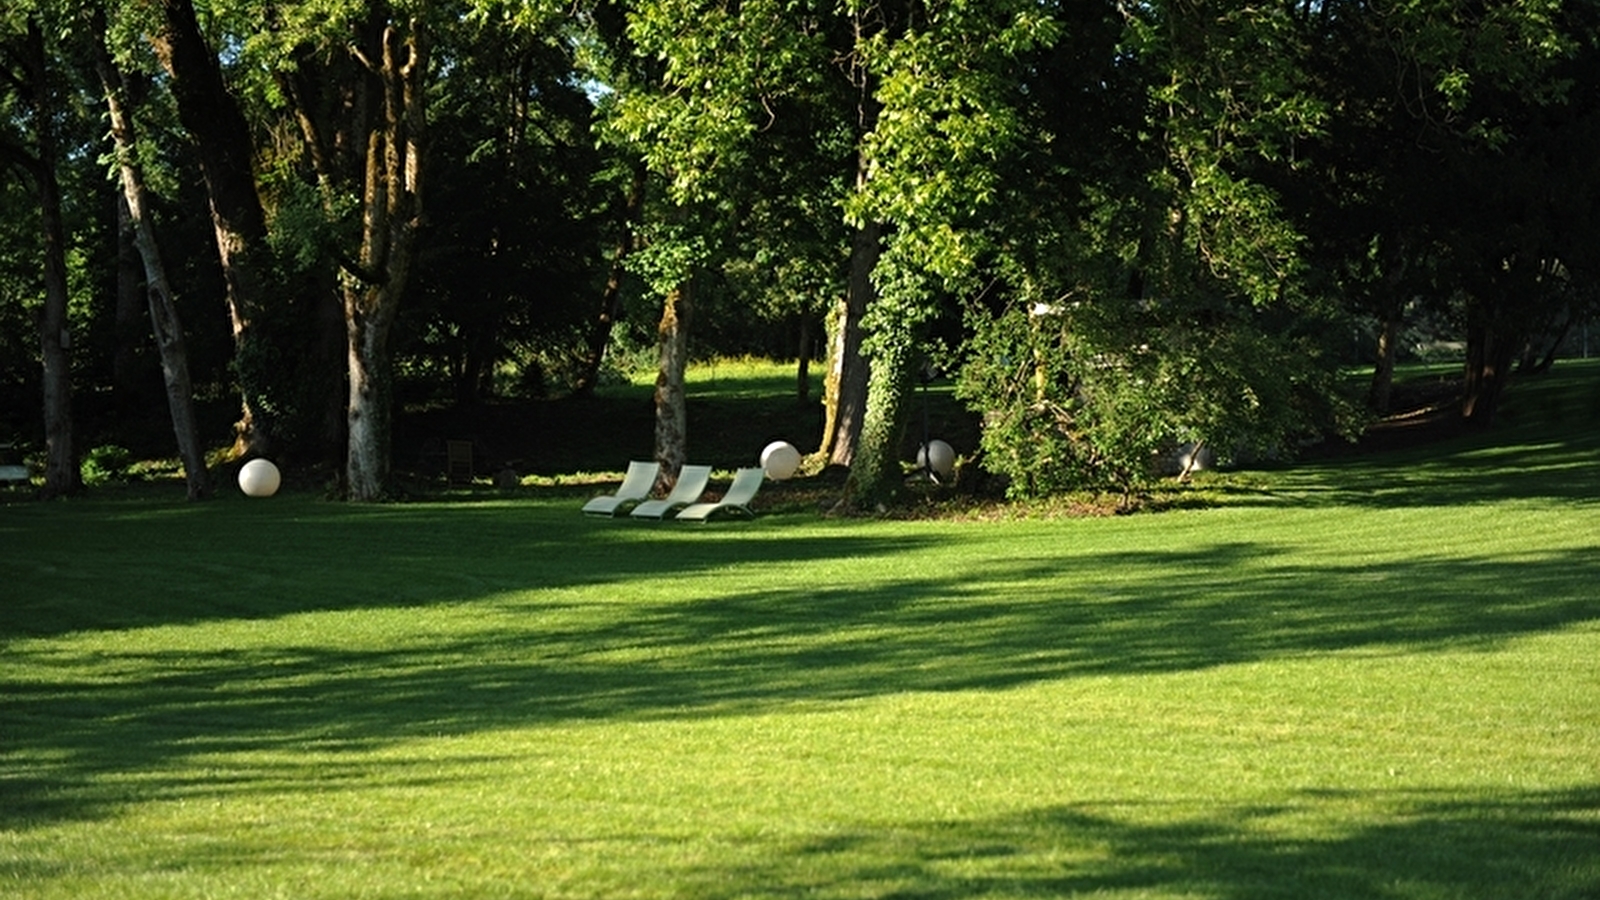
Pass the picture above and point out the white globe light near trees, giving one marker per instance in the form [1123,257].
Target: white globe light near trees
[258,478]
[779,460]
[937,456]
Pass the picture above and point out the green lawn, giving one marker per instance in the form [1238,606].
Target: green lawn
[1377,677]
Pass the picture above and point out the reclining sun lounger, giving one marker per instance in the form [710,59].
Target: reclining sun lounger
[691,484]
[636,485]
[737,500]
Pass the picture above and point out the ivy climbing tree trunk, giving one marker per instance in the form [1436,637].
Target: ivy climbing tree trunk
[946,121]
[164,320]
[874,474]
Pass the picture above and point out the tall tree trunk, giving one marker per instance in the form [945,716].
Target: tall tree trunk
[473,380]
[335,99]
[844,388]
[672,415]
[164,320]
[845,385]
[376,281]
[1490,354]
[1381,390]
[222,142]
[611,297]
[61,475]
[368,413]
[874,475]
[1537,359]
[130,313]
[1391,314]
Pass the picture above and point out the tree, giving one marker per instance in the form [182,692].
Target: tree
[369,168]
[693,122]
[376,280]
[845,386]
[946,128]
[1144,216]
[29,75]
[1367,242]
[1448,171]
[328,198]
[671,402]
[518,218]
[20,277]
[924,99]
[165,321]
[611,305]
[1158,302]
[223,144]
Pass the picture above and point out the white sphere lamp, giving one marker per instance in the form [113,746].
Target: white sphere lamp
[779,460]
[259,478]
[937,456]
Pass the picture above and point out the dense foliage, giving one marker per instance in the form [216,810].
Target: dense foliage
[1131,228]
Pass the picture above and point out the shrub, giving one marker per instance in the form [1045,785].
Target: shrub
[1089,397]
[105,464]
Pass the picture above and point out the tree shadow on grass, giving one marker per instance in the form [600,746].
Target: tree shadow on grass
[1513,844]
[136,564]
[1472,471]
[712,646]
[1545,447]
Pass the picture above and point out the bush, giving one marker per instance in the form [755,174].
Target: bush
[1091,397]
[105,464]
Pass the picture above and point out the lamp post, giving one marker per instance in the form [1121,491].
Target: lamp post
[936,458]
[925,375]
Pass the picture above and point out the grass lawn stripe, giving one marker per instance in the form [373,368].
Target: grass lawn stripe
[1323,685]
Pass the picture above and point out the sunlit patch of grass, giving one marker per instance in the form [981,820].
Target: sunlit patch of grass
[1353,679]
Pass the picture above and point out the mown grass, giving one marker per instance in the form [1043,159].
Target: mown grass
[1371,677]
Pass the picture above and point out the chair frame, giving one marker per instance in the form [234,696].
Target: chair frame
[637,483]
[458,462]
[691,483]
[746,482]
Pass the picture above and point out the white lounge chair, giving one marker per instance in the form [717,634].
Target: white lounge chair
[692,481]
[636,485]
[737,500]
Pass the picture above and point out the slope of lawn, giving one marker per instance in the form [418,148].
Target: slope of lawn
[1370,677]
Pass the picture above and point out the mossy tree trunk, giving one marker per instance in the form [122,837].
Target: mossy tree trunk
[672,415]
[376,280]
[845,385]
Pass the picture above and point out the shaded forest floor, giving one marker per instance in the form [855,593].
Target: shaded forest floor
[566,436]
[583,440]
[1422,410]
[730,421]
